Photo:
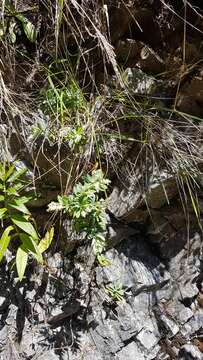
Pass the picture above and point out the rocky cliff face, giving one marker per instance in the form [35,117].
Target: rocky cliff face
[147,303]
[64,311]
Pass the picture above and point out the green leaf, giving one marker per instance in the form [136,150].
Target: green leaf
[2,197]
[17,174]
[9,5]
[103,261]
[25,225]
[18,204]
[5,240]
[46,241]
[18,186]
[31,246]
[2,212]
[28,27]
[21,261]
[2,171]
[9,172]
[11,191]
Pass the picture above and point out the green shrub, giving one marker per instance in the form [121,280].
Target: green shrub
[86,209]
[16,220]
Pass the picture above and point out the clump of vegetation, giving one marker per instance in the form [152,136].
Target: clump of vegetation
[62,103]
[16,220]
[86,208]
[115,291]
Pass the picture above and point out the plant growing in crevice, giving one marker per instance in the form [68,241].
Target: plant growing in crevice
[86,208]
[115,291]
[63,102]
[76,137]
[16,222]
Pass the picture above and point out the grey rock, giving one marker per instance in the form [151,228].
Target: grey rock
[30,295]
[194,325]
[179,312]
[117,232]
[185,314]
[141,82]
[170,325]
[127,199]
[3,338]
[69,310]
[190,352]
[55,262]
[27,345]
[130,352]
[48,355]
[2,300]
[39,313]
[148,338]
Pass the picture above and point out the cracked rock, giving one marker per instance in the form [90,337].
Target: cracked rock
[190,352]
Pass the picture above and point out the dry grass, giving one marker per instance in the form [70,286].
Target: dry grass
[74,45]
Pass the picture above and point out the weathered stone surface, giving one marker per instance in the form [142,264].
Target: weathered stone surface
[190,352]
[69,305]
[130,352]
[128,50]
[127,200]
[168,230]
[190,98]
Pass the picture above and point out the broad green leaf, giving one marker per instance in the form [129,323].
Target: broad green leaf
[31,246]
[17,174]
[28,27]
[25,225]
[2,197]
[4,241]
[11,191]
[9,172]
[46,241]
[18,204]
[2,212]
[21,261]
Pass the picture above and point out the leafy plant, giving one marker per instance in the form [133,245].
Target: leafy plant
[86,209]
[103,261]
[76,137]
[115,291]
[62,101]
[12,16]
[15,215]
